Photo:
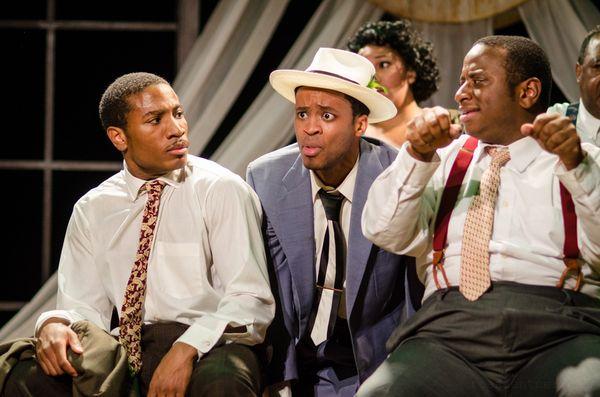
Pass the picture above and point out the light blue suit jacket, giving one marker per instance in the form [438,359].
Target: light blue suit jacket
[376,297]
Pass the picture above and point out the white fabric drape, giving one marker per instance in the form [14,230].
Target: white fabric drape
[221,61]
[267,124]
[451,42]
[557,26]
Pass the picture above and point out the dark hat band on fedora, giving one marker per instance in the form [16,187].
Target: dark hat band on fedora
[336,70]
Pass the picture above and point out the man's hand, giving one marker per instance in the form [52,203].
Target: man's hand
[429,131]
[51,348]
[556,134]
[172,375]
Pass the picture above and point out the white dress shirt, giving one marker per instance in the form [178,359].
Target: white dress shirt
[346,189]
[207,266]
[528,235]
[588,127]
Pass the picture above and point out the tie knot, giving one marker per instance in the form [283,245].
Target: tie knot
[153,187]
[332,203]
[500,155]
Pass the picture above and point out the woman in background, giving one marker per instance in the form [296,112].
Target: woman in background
[404,65]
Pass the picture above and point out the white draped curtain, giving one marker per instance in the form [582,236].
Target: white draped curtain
[267,124]
[451,43]
[559,28]
[236,35]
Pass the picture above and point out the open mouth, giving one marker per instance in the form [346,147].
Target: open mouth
[310,151]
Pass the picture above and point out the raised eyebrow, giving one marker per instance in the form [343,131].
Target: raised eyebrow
[327,109]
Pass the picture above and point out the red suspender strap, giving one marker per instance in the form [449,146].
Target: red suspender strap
[570,249]
[449,196]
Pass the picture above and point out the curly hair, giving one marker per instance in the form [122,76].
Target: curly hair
[114,105]
[416,53]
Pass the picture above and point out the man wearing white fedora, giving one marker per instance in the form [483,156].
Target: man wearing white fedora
[339,296]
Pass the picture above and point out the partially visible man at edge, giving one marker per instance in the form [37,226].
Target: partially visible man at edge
[195,296]
[586,112]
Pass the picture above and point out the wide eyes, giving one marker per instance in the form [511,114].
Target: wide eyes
[328,116]
[303,115]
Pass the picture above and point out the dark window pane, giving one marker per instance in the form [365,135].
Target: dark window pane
[117,10]
[23,54]
[5,316]
[86,63]
[67,188]
[22,238]
[30,9]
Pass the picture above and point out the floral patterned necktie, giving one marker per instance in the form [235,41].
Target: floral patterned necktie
[475,253]
[130,324]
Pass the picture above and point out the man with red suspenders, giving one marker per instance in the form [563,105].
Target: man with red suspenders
[505,224]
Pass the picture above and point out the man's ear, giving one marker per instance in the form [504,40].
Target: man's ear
[529,92]
[578,72]
[118,138]
[360,125]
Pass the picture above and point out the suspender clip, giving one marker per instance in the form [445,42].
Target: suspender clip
[438,264]
[572,265]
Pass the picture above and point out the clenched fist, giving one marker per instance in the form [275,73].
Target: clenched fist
[556,134]
[429,131]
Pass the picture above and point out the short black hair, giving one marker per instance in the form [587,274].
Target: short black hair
[358,108]
[524,59]
[114,105]
[415,52]
[586,41]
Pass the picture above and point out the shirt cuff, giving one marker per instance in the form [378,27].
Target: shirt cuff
[202,337]
[579,181]
[63,314]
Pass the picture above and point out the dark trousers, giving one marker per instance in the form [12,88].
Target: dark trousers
[516,340]
[228,370]
[327,369]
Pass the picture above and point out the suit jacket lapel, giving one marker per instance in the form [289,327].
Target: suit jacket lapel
[359,248]
[296,235]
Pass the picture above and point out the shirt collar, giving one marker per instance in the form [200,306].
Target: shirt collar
[589,122]
[346,188]
[173,178]
[522,153]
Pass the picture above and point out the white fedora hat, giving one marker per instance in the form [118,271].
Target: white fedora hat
[336,70]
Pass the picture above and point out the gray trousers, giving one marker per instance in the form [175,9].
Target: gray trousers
[229,370]
[516,340]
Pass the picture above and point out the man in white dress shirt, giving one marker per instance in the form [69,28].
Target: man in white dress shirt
[207,295]
[507,323]
[586,112]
